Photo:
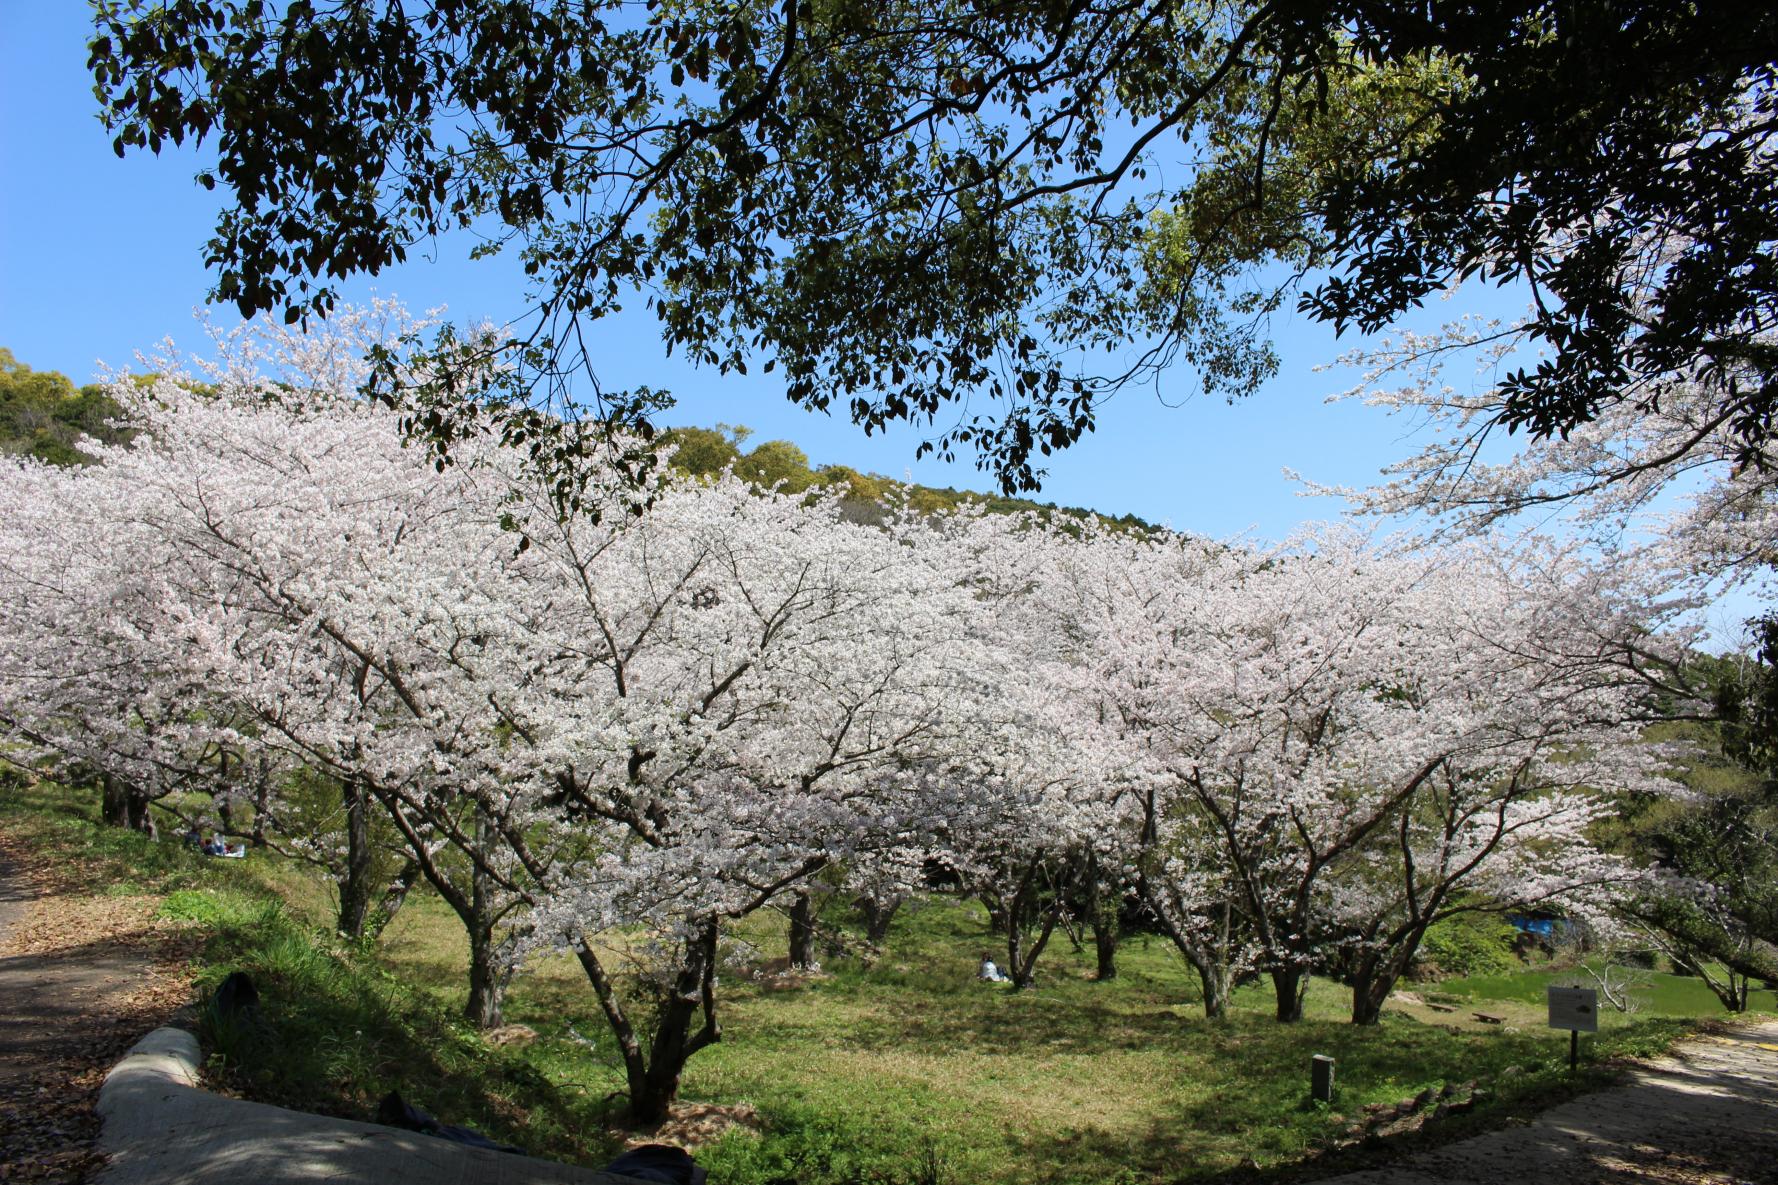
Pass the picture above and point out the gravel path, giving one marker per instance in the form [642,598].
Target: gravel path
[82,977]
[1708,1115]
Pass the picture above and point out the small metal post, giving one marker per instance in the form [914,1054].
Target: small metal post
[1573,1050]
[1321,1078]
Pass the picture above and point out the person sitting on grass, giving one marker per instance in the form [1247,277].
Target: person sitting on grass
[990,972]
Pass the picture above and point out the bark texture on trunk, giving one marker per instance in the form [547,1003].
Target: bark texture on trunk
[1218,982]
[1370,990]
[140,817]
[488,970]
[1377,973]
[114,801]
[1289,986]
[124,804]
[262,795]
[1102,909]
[1027,907]
[355,886]
[802,930]
[653,1072]
[1105,940]
[487,982]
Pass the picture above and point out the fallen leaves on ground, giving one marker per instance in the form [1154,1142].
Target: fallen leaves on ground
[47,1113]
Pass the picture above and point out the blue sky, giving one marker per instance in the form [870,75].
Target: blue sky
[101,257]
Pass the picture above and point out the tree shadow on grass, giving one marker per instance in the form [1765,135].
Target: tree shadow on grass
[333,1035]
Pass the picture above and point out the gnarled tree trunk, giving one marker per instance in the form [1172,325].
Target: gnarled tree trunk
[653,1073]
[114,801]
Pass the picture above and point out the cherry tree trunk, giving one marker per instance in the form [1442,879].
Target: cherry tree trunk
[1102,915]
[394,897]
[487,981]
[355,886]
[1218,981]
[802,930]
[1370,990]
[1377,973]
[262,794]
[1105,939]
[878,913]
[140,819]
[653,1073]
[487,970]
[1209,958]
[1289,985]
[1021,959]
[123,804]
[114,801]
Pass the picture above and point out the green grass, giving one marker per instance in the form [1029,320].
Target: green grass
[1661,994]
[905,1071]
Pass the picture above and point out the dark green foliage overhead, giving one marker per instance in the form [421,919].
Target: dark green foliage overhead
[42,415]
[1617,159]
[988,217]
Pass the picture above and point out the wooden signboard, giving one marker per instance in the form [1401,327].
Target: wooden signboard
[1577,1010]
[1574,1008]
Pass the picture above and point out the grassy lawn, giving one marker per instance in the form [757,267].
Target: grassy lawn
[908,1070]
[1661,994]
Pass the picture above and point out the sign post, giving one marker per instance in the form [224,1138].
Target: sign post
[1321,1078]
[1577,1010]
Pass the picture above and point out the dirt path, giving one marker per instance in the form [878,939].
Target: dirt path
[82,977]
[1708,1115]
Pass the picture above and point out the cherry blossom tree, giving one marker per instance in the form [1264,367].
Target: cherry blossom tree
[1285,710]
[305,587]
[77,687]
[1544,728]
[1664,469]
[740,690]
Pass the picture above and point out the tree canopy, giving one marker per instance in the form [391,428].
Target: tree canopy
[42,414]
[988,218]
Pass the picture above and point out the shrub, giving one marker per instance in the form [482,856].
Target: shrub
[1470,944]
